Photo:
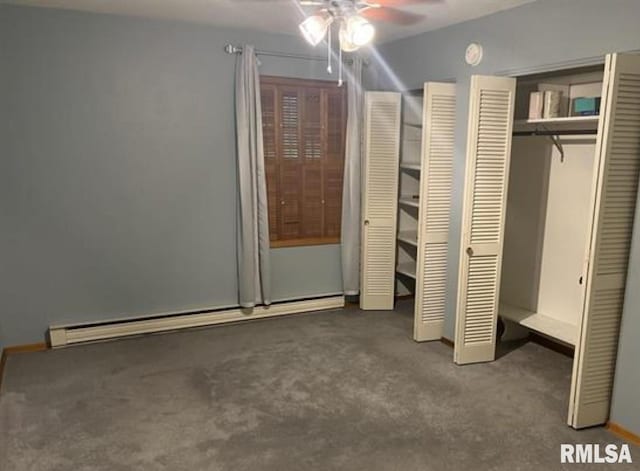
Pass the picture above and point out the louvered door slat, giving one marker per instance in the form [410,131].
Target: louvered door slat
[381,161]
[618,150]
[433,220]
[488,148]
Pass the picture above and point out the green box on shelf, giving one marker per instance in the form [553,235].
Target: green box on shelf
[586,106]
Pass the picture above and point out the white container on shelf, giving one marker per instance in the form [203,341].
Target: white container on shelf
[535,105]
[552,100]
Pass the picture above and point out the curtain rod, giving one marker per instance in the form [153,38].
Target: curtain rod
[231,49]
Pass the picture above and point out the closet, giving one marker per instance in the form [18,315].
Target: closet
[548,218]
[419,189]
[549,208]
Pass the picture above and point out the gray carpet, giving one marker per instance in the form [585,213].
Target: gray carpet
[323,391]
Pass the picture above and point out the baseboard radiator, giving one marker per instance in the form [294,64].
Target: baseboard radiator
[64,335]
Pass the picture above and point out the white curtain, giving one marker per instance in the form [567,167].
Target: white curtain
[351,185]
[254,270]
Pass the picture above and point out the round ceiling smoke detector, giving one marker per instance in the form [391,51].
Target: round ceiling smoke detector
[473,55]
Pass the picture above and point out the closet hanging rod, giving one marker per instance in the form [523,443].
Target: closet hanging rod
[231,49]
[555,136]
[556,133]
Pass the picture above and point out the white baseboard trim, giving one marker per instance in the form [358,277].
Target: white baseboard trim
[61,336]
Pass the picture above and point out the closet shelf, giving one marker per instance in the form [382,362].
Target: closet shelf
[413,125]
[407,269]
[563,120]
[541,323]
[413,202]
[408,166]
[409,237]
[567,125]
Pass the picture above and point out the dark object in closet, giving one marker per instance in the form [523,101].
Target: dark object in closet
[501,329]
[561,348]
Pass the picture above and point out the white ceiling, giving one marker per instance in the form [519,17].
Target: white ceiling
[280,16]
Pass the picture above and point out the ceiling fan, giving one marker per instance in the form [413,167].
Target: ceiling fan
[352,16]
[342,12]
[375,10]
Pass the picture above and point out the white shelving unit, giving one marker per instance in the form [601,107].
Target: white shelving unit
[410,166]
[426,176]
[407,269]
[409,190]
[407,201]
[408,237]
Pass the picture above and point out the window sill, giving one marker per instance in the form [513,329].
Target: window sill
[276,244]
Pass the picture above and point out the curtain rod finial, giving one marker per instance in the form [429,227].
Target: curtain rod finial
[231,49]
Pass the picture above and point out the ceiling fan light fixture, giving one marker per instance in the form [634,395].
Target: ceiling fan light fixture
[358,31]
[314,28]
[345,43]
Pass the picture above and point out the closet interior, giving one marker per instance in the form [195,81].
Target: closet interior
[408,163]
[553,163]
[409,193]
[550,204]
[424,204]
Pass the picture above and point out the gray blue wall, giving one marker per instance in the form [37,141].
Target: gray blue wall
[537,36]
[117,170]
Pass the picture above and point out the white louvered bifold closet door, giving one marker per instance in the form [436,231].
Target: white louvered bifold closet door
[618,154]
[491,108]
[380,199]
[438,140]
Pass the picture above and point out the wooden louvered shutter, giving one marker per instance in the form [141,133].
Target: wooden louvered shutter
[618,151]
[304,123]
[312,179]
[336,117]
[380,197]
[435,197]
[488,153]
[270,138]
[291,196]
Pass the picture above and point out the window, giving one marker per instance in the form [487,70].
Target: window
[303,123]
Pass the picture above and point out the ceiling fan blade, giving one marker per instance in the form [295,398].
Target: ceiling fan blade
[300,2]
[391,15]
[400,3]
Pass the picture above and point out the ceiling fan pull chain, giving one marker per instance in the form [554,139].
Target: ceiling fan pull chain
[340,67]
[329,69]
